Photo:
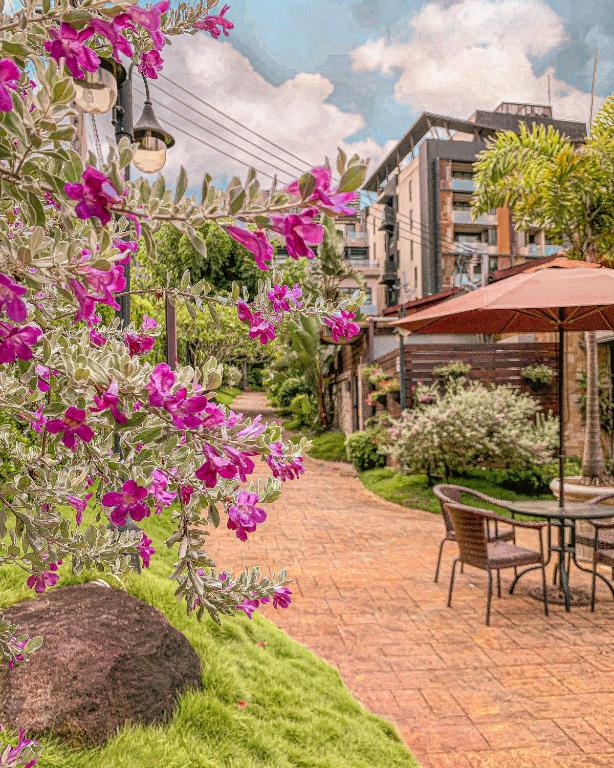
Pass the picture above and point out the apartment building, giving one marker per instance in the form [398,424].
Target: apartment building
[361,258]
[420,227]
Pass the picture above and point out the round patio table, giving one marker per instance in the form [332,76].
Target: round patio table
[565,519]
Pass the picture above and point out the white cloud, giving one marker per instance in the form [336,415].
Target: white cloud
[295,114]
[473,54]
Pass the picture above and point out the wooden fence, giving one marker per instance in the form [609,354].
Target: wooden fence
[490,364]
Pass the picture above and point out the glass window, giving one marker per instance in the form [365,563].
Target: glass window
[492,236]
[410,192]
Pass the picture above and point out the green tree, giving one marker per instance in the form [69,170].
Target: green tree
[567,190]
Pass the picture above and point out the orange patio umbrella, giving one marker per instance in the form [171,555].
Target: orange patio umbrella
[561,295]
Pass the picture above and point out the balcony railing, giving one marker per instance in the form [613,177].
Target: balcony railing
[462,185]
[361,263]
[535,251]
[463,216]
[359,240]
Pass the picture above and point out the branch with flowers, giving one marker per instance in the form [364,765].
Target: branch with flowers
[106,430]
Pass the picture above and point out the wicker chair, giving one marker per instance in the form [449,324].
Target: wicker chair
[604,533]
[606,539]
[453,494]
[477,549]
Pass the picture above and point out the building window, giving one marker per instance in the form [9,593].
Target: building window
[410,192]
[492,236]
[411,250]
[416,277]
[350,230]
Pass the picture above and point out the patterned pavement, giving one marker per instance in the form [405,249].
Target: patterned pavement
[527,692]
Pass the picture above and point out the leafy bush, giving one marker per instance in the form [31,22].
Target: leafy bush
[231,376]
[362,450]
[289,389]
[303,408]
[535,478]
[538,376]
[453,370]
[470,425]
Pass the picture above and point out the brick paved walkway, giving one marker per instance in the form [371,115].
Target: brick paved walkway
[525,693]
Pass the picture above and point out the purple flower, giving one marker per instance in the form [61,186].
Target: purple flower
[184,410]
[259,326]
[72,426]
[149,19]
[150,64]
[285,299]
[97,339]
[282,597]
[158,489]
[145,550]
[255,242]
[17,657]
[323,196]
[138,345]
[281,467]
[44,374]
[244,515]
[9,76]
[111,30]
[16,342]
[67,43]
[109,400]
[127,247]
[299,230]
[149,323]
[79,505]
[10,298]
[341,325]
[185,494]
[215,465]
[14,756]
[39,421]
[129,502]
[215,25]
[40,581]
[95,195]
[244,313]
[248,605]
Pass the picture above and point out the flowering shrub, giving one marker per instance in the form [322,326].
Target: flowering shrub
[454,370]
[363,451]
[231,376]
[103,424]
[538,376]
[468,426]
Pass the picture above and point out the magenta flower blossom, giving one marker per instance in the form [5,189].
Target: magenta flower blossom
[40,581]
[138,345]
[109,400]
[17,658]
[44,374]
[285,299]
[248,606]
[129,502]
[10,298]
[16,342]
[127,247]
[214,466]
[50,200]
[159,490]
[97,339]
[112,31]
[259,326]
[185,411]
[185,494]
[323,196]
[39,421]
[255,242]
[150,64]
[341,325]
[160,386]
[244,515]
[145,550]
[95,195]
[79,505]
[72,427]
[14,755]
[149,19]
[299,232]
[244,313]
[282,597]
[9,77]
[67,43]
[215,25]
[149,323]
[281,467]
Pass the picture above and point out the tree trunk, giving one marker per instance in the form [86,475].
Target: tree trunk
[593,461]
[320,399]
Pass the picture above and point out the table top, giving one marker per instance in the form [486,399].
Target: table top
[571,510]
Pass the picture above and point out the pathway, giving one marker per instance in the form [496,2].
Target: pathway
[527,692]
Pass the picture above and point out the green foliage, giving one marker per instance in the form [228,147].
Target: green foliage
[329,446]
[534,478]
[538,376]
[606,403]
[303,408]
[289,389]
[363,452]
[453,370]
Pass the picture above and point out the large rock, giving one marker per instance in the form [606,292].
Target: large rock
[107,659]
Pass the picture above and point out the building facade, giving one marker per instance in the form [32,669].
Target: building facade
[421,231]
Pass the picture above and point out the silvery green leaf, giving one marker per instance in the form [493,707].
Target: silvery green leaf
[181,185]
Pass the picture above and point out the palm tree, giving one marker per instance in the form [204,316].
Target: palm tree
[567,190]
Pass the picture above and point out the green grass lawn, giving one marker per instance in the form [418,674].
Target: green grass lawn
[298,713]
[226,395]
[329,446]
[414,492]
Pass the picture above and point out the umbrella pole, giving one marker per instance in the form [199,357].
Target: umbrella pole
[561,395]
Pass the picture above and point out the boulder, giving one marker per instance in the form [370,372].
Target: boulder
[107,659]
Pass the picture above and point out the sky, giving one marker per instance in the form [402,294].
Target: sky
[314,75]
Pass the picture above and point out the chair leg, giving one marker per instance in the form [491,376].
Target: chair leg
[462,567]
[441,546]
[555,576]
[488,599]
[594,583]
[545,590]
[451,587]
[498,583]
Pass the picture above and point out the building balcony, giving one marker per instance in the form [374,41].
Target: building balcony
[462,185]
[473,248]
[463,216]
[534,251]
[365,266]
[359,240]
[368,309]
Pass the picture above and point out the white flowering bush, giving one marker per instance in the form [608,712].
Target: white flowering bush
[101,426]
[469,425]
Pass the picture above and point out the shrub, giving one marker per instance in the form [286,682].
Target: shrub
[469,426]
[304,410]
[535,478]
[362,450]
[453,370]
[289,389]
[231,376]
[538,376]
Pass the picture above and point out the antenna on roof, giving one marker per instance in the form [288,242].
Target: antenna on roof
[590,119]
